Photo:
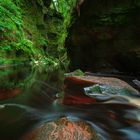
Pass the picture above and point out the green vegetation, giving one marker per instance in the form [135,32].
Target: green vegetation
[12,37]
[35,29]
[57,31]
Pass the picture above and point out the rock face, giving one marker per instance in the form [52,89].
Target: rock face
[106,36]
[75,93]
[63,129]
[34,28]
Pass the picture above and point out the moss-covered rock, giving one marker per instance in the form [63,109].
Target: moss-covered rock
[34,29]
[12,35]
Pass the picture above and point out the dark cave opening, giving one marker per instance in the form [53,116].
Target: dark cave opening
[105,37]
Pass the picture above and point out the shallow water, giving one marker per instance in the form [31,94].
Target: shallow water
[36,103]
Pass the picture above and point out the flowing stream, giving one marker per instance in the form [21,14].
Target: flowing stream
[32,100]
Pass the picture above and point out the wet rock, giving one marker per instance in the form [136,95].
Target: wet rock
[63,129]
[74,92]
[90,80]
[137,82]
[77,100]
[109,93]
[75,87]
[9,93]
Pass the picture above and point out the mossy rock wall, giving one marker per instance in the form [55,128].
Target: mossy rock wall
[34,29]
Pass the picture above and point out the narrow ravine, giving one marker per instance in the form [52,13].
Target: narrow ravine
[69,70]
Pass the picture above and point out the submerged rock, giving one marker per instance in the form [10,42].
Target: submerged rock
[9,93]
[63,129]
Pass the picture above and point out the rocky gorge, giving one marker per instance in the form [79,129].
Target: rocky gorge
[69,70]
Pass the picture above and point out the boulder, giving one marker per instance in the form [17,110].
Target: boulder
[76,87]
[63,129]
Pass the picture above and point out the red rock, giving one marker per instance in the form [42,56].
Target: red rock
[75,100]
[62,129]
[9,93]
[83,81]
[74,92]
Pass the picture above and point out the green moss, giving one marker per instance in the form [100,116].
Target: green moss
[35,29]
[11,29]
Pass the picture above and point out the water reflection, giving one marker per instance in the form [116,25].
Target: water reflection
[37,103]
